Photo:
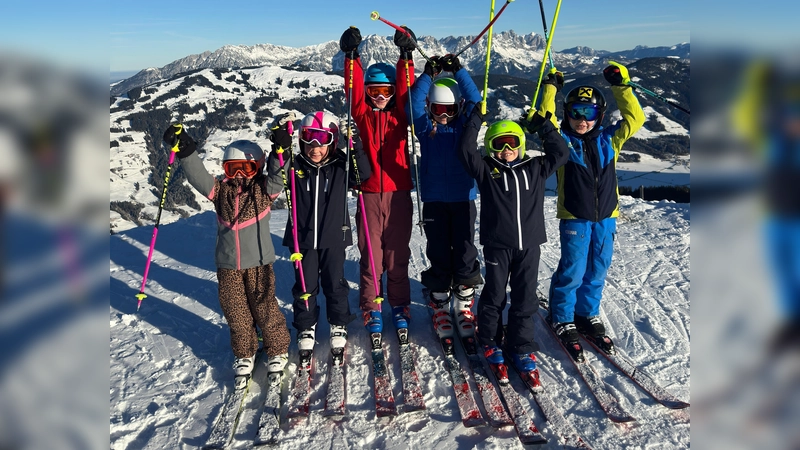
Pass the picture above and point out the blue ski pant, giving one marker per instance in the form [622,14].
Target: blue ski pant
[577,284]
[783,239]
[519,269]
[321,267]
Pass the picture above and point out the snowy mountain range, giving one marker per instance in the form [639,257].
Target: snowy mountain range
[512,54]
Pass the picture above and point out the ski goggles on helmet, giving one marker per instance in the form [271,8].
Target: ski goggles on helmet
[247,169]
[440,109]
[500,143]
[376,91]
[316,137]
[578,111]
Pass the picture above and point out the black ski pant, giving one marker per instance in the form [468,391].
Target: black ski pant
[450,247]
[520,269]
[323,267]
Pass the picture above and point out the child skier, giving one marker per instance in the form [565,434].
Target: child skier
[378,111]
[244,253]
[441,109]
[588,203]
[512,189]
[319,198]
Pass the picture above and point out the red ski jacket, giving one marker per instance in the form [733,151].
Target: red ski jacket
[383,133]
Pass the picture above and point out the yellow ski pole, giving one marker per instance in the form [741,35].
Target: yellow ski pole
[544,61]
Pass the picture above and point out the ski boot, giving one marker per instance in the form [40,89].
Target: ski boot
[568,335]
[494,356]
[592,329]
[243,370]
[465,320]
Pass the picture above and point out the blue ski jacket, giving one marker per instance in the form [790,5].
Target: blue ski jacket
[442,176]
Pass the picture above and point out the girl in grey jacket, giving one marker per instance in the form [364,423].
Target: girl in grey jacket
[244,253]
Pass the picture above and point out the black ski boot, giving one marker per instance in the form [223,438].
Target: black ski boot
[593,329]
[569,337]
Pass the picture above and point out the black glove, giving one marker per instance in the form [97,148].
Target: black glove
[433,67]
[477,111]
[281,138]
[450,63]
[535,124]
[176,134]
[350,40]
[616,74]
[405,42]
[556,79]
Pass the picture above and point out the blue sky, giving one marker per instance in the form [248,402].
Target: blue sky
[153,34]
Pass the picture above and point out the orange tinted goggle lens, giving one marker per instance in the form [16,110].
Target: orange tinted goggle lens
[438,109]
[376,90]
[499,143]
[247,168]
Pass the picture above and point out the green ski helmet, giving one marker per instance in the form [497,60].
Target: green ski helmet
[444,92]
[504,133]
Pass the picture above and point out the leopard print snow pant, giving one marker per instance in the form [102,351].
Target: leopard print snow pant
[247,297]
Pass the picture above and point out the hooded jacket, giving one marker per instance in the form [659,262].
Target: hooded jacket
[319,197]
[512,196]
[383,132]
[442,176]
[587,184]
[243,213]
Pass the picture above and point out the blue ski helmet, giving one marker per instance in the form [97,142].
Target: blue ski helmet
[380,73]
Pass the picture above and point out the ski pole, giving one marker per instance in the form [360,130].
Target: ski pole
[660,97]
[345,228]
[414,148]
[378,298]
[488,53]
[477,38]
[141,295]
[544,25]
[375,16]
[546,52]
[297,257]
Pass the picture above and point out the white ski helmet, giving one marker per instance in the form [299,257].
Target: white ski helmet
[445,91]
[244,150]
[321,128]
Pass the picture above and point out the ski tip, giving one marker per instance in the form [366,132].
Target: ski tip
[675,404]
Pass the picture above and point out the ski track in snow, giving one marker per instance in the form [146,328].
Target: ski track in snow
[171,361]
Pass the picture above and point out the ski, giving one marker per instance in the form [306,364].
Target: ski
[526,430]
[384,398]
[225,427]
[300,396]
[496,412]
[552,413]
[645,381]
[269,426]
[335,399]
[607,402]
[470,413]
[412,391]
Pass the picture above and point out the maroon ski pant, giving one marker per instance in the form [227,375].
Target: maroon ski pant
[389,220]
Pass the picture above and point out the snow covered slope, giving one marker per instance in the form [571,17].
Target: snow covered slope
[171,361]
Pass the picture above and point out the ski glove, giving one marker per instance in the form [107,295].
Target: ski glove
[535,124]
[433,67]
[450,63]
[281,138]
[556,79]
[616,74]
[405,43]
[176,134]
[350,40]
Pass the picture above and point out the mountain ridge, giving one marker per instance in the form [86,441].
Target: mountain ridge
[512,54]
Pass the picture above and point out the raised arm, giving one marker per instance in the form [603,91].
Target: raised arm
[348,43]
[468,152]
[632,115]
[192,165]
